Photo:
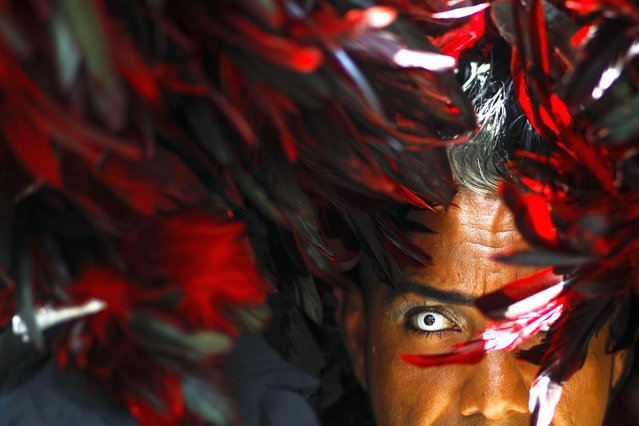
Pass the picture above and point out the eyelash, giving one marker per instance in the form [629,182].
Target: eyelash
[416,310]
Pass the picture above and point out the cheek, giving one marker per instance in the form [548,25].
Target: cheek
[402,394]
[585,396]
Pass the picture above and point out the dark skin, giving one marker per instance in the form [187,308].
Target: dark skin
[433,310]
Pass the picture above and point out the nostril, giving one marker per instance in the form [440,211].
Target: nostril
[499,412]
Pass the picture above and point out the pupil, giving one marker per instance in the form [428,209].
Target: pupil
[429,319]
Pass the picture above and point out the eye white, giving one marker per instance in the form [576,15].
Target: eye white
[430,321]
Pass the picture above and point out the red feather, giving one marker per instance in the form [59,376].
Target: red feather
[532,215]
[204,261]
[458,40]
[208,260]
[31,146]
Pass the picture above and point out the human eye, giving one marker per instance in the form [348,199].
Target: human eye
[429,319]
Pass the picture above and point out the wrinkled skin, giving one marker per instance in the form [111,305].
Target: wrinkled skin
[495,391]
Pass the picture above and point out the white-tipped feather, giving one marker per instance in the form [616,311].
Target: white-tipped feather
[544,397]
[47,317]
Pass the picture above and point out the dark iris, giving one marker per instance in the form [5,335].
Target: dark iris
[429,319]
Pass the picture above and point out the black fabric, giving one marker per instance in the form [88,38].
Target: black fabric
[52,397]
[268,390]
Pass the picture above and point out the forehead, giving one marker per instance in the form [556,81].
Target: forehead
[465,238]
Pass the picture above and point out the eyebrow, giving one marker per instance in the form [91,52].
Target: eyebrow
[429,292]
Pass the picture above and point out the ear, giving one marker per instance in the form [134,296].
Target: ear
[351,317]
[619,364]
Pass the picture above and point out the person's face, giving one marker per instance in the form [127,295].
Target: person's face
[434,310]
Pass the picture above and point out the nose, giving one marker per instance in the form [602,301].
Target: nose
[495,388]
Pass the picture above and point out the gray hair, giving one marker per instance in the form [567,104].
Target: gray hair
[479,164]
